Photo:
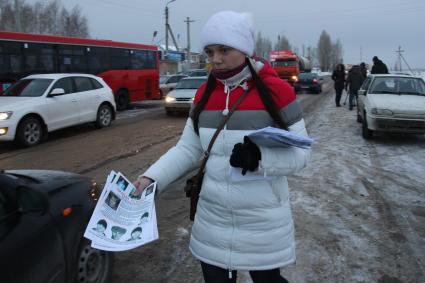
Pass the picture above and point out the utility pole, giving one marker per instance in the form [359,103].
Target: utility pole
[361,54]
[166,29]
[188,21]
[399,51]
[400,57]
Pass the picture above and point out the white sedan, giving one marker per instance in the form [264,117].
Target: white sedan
[180,99]
[38,104]
[391,103]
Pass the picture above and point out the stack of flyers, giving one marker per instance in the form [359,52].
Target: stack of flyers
[275,137]
[122,219]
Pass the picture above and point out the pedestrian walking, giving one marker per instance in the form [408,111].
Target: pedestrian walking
[378,67]
[244,225]
[338,76]
[353,84]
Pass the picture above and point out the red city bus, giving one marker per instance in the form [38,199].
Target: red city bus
[131,70]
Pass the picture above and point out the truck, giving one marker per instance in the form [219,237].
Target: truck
[289,65]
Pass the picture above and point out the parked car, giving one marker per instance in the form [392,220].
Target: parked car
[168,82]
[197,73]
[310,82]
[181,98]
[39,104]
[43,215]
[391,103]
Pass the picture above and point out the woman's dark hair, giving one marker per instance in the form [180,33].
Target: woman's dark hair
[264,92]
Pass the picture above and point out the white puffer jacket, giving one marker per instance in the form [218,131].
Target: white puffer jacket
[239,225]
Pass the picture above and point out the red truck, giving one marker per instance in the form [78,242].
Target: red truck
[288,65]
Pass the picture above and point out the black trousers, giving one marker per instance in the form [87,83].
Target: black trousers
[353,98]
[214,274]
[338,95]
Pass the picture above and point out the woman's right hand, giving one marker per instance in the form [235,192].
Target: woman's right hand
[141,184]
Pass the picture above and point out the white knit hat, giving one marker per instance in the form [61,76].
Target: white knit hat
[231,29]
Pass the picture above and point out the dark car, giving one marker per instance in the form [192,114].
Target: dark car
[310,82]
[43,215]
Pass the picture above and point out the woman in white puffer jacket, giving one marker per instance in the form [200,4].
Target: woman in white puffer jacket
[243,225]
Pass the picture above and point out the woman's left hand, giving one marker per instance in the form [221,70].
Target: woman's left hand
[245,155]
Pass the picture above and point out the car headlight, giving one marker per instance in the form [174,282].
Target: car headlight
[383,112]
[169,99]
[294,78]
[5,115]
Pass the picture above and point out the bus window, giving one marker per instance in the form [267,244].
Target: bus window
[143,59]
[120,58]
[72,59]
[39,58]
[98,60]
[11,58]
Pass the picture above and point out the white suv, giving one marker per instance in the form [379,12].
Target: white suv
[38,104]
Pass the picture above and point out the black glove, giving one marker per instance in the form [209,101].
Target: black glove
[245,155]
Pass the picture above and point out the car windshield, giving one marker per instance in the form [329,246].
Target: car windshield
[398,85]
[163,79]
[28,88]
[190,84]
[285,63]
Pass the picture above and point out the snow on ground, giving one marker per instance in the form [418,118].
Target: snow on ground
[359,206]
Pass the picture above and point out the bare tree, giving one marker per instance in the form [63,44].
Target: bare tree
[337,53]
[42,17]
[282,43]
[74,24]
[263,46]
[324,49]
[48,18]
[7,16]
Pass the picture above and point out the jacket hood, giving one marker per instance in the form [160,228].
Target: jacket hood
[267,70]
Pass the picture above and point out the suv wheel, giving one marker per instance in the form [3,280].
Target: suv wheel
[104,116]
[30,132]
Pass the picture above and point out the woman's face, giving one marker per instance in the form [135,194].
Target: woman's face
[224,58]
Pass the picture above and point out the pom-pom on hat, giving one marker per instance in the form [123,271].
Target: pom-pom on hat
[231,29]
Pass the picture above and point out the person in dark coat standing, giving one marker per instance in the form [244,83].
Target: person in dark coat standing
[363,70]
[378,67]
[338,76]
[354,82]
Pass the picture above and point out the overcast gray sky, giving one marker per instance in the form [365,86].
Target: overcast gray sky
[365,27]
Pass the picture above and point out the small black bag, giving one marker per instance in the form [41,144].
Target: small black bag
[194,183]
[193,189]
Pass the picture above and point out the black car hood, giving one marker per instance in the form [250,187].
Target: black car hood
[48,180]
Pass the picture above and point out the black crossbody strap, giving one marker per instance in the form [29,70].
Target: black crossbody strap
[217,132]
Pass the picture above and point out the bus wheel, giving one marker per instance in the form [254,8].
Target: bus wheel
[122,100]
[30,132]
